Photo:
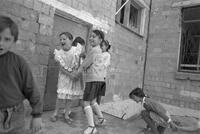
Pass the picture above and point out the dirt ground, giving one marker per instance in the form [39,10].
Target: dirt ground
[114,125]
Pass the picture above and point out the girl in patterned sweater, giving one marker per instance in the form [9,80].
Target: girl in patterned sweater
[94,79]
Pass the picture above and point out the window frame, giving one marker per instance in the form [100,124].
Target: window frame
[138,4]
[180,53]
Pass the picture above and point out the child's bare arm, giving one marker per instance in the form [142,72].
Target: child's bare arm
[63,70]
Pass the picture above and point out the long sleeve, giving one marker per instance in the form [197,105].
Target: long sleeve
[153,106]
[30,89]
[87,61]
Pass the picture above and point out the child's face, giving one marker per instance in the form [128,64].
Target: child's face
[94,40]
[6,41]
[136,99]
[103,47]
[65,42]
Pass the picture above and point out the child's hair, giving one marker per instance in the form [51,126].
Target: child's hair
[78,40]
[137,92]
[99,33]
[68,35]
[6,22]
[107,44]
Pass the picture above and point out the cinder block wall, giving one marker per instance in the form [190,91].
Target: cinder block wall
[162,59]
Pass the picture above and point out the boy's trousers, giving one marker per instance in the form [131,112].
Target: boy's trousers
[156,128]
[12,120]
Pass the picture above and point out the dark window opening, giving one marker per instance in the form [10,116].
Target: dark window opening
[133,17]
[190,40]
[122,12]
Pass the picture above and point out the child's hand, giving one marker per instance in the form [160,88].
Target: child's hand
[75,75]
[36,125]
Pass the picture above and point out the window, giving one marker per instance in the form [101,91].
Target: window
[190,40]
[130,15]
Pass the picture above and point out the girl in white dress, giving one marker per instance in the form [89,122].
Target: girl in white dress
[69,86]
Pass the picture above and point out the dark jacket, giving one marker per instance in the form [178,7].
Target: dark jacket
[17,83]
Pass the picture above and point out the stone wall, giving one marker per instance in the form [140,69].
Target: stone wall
[162,80]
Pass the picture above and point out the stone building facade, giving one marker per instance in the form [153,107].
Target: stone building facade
[172,75]
[40,22]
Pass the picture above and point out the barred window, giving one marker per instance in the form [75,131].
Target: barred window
[190,40]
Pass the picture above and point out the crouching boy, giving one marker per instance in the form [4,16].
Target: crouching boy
[155,115]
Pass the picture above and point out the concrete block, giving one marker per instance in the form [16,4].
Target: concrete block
[80,6]
[69,2]
[30,46]
[51,11]
[17,1]
[34,16]
[34,27]
[85,2]
[43,39]
[42,49]
[169,96]
[75,3]
[2,6]
[29,3]
[45,29]
[26,48]
[63,1]
[25,13]
[37,5]
[25,35]
[46,9]
[18,45]
[30,26]
[46,20]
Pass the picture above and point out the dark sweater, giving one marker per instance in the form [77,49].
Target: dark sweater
[17,83]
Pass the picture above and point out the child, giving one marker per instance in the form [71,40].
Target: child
[16,84]
[79,46]
[94,78]
[105,46]
[69,88]
[155,115]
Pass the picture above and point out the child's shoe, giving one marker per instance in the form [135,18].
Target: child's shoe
[68,119]
[100,122]
[90,130]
